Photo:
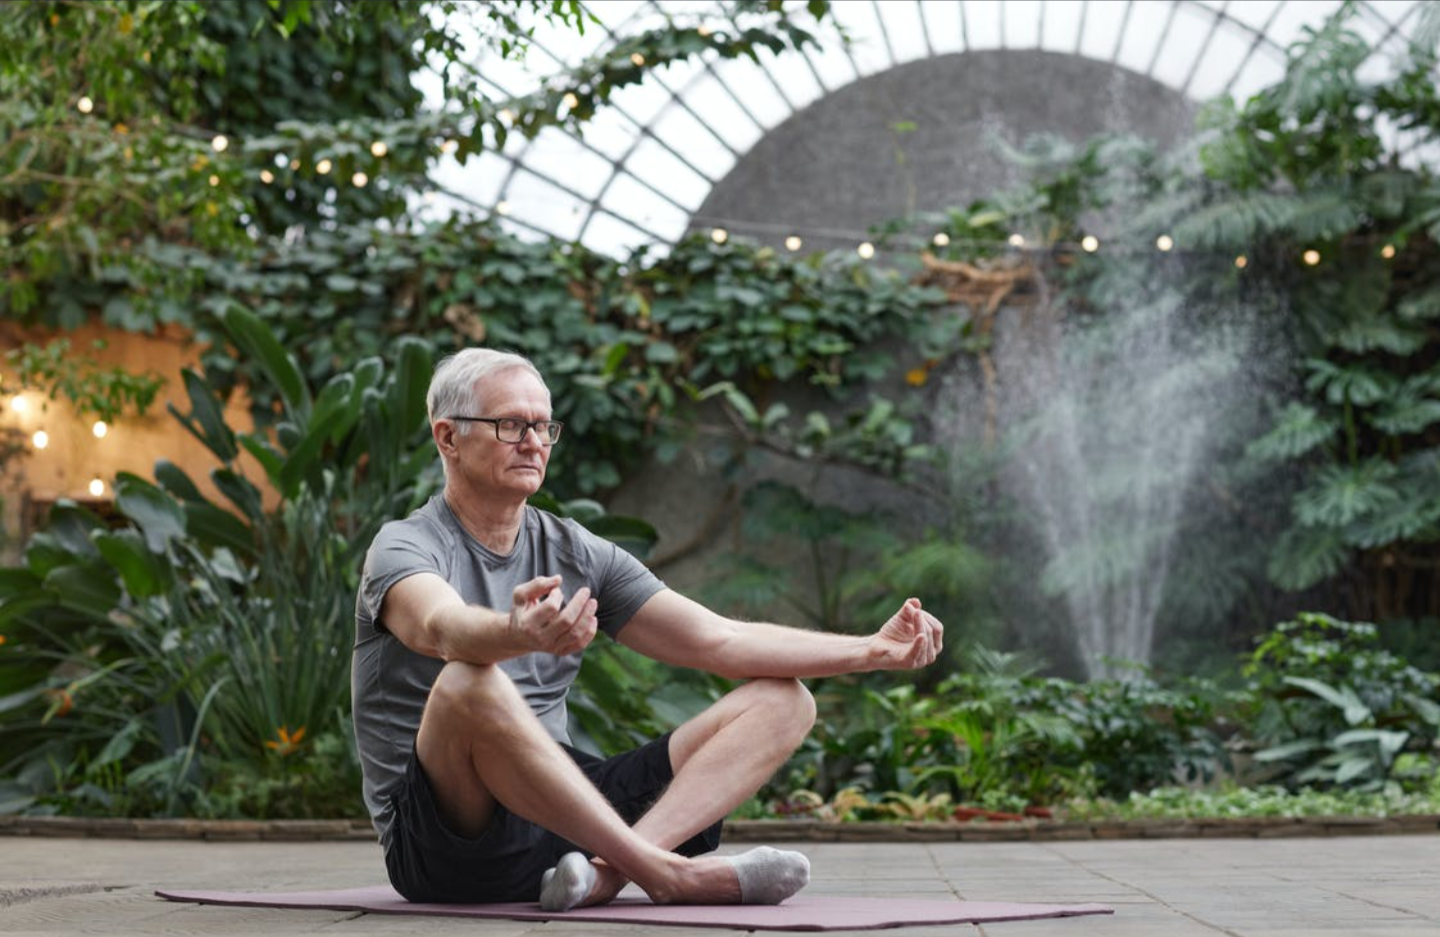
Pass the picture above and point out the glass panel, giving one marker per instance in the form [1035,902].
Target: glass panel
[943,18]
[1022,23]
[982,23]
[1062,22]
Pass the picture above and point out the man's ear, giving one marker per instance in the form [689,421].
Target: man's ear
[445,433]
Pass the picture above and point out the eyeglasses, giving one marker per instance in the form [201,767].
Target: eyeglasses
[513,429]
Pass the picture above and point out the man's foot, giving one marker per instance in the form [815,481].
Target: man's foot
[769,876]
[568,884]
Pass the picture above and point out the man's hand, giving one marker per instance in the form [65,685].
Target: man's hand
[911,639]
[539,622]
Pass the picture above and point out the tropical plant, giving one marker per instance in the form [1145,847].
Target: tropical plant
[1329,706]
[205,632]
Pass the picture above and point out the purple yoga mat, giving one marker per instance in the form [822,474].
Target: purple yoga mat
[815,912]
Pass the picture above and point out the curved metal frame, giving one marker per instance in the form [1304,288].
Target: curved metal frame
[1261,43]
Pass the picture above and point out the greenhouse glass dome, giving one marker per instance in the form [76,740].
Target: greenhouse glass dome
[812,148]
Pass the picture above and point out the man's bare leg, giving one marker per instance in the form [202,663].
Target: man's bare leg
[481,745]
[721,758]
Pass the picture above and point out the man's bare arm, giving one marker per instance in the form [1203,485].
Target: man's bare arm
[430,618]
[676,630]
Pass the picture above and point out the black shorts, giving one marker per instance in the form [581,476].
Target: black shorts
[430,863]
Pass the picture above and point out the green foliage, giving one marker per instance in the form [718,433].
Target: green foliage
[206,637]
[93,390]
[998,734]
[1330,706]
[1262,800]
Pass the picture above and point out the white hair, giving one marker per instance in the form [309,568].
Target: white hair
[452,388]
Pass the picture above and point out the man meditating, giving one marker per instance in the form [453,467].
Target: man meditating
[471,620]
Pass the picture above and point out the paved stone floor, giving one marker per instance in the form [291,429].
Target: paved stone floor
[1380,886]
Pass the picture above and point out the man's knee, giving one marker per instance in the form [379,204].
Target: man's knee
[791,701]
[475,694]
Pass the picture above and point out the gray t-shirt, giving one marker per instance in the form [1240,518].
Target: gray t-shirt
[389,683]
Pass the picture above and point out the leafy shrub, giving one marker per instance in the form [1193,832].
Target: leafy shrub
[1330,706]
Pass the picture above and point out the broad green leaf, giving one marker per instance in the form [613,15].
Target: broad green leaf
[1340,494]
[206,419]
[1298,430]
[174,480]
[255,339]
[159,518]
[143,572]
[1343,698]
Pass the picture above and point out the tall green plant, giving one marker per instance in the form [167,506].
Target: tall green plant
[210,631]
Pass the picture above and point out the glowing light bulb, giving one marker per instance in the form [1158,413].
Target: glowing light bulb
[941,239]
[324,166]
[571,101]
[866,250]
[266,176]
[502,207]
[84,105]
[100,429]
[1090,244]
[793,242]
[703,30]
[507,115]
[214,181]
[19,404]
[719,235]
[1388,251]
[1164,242]
[41,439]
[359,180]
[295,163]
[1311,257]
[1242,262]
[1017,240]
[379,149]
[219,143]
[637,59]
[97,488]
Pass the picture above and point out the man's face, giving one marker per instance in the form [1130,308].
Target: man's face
[493,466]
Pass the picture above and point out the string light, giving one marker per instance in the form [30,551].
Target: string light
[100,429]
[97,487]
[719,235]
[324,166]
[703,30]
[359,180]
[214,181]
[793,242]
[266,176]
[1311,257]
[507,115]
[219,143]
[941,239]
[1017,240]
[637,59]
[1241,262]
[19,404]
[571,101]
[502,207]
[84,105]
[1090,243]
[41,439]
[378,149]
[1388,251]
[295,163]
[866,250]
[1165,242]
[449,147]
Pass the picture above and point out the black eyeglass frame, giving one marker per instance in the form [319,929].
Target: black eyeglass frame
[549,437]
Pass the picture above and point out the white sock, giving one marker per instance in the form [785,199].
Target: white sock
[769,876]
[568,884]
